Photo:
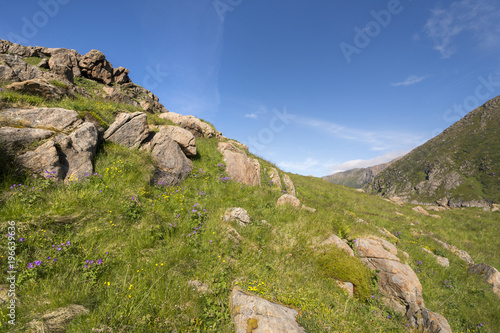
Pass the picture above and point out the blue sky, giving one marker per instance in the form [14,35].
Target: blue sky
[315,87]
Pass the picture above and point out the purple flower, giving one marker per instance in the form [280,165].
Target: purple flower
[21,239]
[91,261]
[68,243]
[99,261]
[55,260]
[48,258]
[85,266]
[58,249]
[87,261]
[30,265]
[210,241]
[107,252]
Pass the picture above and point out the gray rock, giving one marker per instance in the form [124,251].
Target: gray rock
[237,214]
[347,286]
[13,68]
[38,87]
[128,129]
[460,253]
[288,199]
[172,165]
[190,123]
[64,58]
[254,314]
[120,75]
[94,66]
[14,138]
[49,118]
[440,260]
[67,157]
[435,323]
[56,321]
[490,274]
[184,138]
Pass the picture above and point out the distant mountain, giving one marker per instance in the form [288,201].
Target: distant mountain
[356,178]
[459,167]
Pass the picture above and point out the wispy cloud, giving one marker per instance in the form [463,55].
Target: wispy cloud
[413,79]
[356,164]
[301,166]
[479,17]
[256,114]
[375,140]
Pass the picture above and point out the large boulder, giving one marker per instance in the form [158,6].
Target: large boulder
[289,187]
[254,314]
[399,284]
[192,124]
[128,129]
[94,66]
[490,274]
[65,63]
[120,75]
[14,69]
[172,165]
[239,166]
[38,87]
[68,157]
[184,138]
[49,118]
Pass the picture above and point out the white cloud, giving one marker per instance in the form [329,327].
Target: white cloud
[252,115]
[413,79]
[479,17]
[356,164]
[299,166]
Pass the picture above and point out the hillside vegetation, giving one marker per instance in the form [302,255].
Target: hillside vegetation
[459,167]
[132,254]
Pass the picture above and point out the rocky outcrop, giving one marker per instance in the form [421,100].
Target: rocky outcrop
[275,177]
[356,178]
[490,274]
[38,87]
[237,214]
[254,314]
[289,187]
[184,138]
[69,157]
[172,165]
[190,123]
[128,129]
[56,321]
[288,199]
[94,66]
[239,166]
[399,284]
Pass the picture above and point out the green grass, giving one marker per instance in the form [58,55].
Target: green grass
[33,61]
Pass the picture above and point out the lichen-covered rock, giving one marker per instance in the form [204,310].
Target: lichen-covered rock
[490,274]
[237,214]
[288,199]
[254,314]
[128,129]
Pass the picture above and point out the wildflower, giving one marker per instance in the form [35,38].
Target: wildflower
[99,261]
[58,249]
[55,260]
[21,239]
[68,243]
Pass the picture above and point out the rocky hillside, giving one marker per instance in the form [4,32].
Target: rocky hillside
[120,216]
[458,168]
[356,178]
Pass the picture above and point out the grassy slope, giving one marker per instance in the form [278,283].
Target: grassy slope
[141,233]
